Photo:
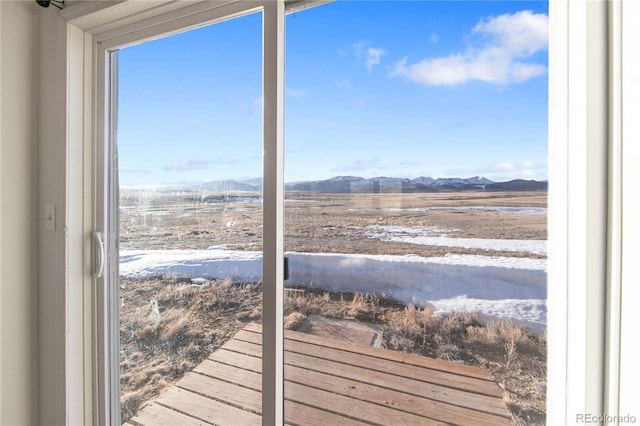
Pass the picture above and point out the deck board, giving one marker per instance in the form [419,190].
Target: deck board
[229,393]
[205,409]
[430,363]
[330,382]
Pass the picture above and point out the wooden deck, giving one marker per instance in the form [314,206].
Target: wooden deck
[328,382]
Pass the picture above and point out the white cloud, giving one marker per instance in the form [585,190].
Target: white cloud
[373,57]
[520,34]
[510,39]
[524,170]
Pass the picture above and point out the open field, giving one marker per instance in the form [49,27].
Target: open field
[332,223]
[169,323]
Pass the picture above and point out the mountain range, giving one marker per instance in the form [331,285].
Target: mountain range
[354,184]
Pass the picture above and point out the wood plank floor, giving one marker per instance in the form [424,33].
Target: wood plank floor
[329,382]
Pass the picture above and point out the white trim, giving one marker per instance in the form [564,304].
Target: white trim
[117,24]
[77,227]
[196,15]
[630,267]
[576,200]
[97,17]
[558,241]
[577,194]
[293,6]
[612,359]
[79,12]
[88,221]
[0,215]
[93,15]
[596,202]
[109,172]
[107,385]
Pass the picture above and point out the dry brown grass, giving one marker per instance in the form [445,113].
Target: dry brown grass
[516,358]
[168,327]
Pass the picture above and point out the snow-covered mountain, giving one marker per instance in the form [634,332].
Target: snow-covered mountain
[478,180]
[348,184]
[423,180]
[381,184]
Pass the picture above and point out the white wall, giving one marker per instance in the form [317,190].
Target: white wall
[18,218]
[51,244]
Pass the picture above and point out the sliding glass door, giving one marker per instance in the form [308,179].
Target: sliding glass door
[415,208]
[404,201]
[190,215]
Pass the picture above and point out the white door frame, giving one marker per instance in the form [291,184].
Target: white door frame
[573,365]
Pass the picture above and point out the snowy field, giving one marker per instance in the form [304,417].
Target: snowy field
[498,209]
[441,238]
[493,287]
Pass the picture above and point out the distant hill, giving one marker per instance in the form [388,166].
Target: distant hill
[382,184]
[519,185]
[353,184]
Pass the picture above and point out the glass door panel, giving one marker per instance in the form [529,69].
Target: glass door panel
[415,209]
[190,224]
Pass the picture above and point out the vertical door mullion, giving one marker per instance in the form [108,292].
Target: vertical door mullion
[273,213]
[106,205]
[103,366]
[113,254]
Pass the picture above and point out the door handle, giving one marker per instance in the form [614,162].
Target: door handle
[286,268]
[99,254]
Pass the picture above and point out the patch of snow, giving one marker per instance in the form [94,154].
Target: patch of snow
[491,286]
[526,210]
[529,312]
[495,261]
[238,266]
[425,236]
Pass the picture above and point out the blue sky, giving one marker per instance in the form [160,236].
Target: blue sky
[403,89]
